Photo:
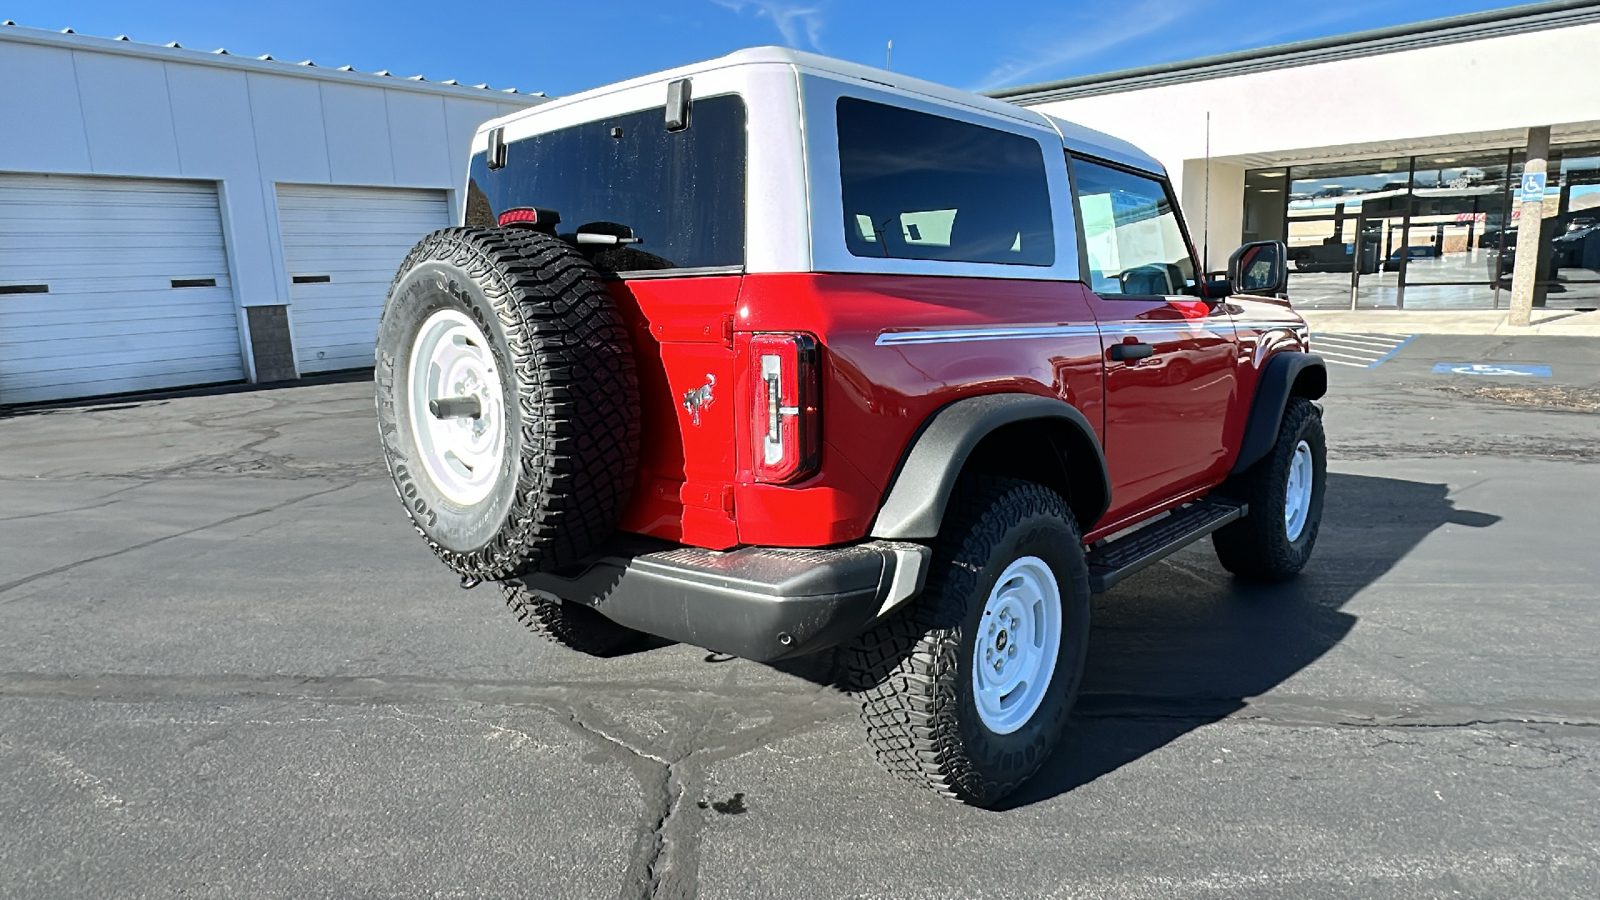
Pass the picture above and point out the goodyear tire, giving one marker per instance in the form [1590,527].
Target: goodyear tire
[967,689]
[1284,491]
[507,400]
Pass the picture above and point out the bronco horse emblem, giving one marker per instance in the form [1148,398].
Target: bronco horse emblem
[699,398]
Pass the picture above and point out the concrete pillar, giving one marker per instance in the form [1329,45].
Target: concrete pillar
[1226,216]
[1531,222]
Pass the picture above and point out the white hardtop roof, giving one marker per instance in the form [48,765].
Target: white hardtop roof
[1074,137]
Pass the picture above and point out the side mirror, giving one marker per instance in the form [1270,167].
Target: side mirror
[1260,268]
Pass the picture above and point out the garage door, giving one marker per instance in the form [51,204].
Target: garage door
[343,245]
[110,285]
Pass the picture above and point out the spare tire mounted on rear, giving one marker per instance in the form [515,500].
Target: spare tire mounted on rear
[507,400]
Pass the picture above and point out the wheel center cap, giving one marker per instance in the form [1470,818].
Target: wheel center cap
[1000,641]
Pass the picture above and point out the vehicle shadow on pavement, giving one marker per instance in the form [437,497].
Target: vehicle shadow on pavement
[1184,644]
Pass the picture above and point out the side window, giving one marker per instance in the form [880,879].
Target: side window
[919,186]
[1130,233]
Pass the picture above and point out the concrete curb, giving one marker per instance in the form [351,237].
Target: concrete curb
[1562,322]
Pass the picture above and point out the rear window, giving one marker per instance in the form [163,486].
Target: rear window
[682,192]
[920,186]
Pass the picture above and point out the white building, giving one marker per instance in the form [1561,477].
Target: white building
[1412,137]
[171,217]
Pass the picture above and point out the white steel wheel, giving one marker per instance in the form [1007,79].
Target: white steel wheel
[457,407]
[1297,497]
[1019,638]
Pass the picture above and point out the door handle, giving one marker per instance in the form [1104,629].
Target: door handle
[1131,351]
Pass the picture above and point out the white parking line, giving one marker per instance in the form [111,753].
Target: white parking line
[1365,360]
[1369,350]
[1362,343]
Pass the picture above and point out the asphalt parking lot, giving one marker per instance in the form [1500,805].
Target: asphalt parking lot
[229,667]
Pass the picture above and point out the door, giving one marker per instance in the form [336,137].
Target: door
[1169,356]
[1387,245]
[342,246]
[109,285]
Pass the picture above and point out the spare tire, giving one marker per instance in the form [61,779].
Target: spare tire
[507,400]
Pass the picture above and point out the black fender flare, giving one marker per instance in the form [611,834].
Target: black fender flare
[1277,383]
[913,508]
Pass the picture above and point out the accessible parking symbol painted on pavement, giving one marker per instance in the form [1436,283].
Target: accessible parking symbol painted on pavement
[1490,369]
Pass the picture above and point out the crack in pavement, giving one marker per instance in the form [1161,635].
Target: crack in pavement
[99,502]
[670,735]
[705,726]
[1295,710]
[665,863]
[65,567]
[1300,711]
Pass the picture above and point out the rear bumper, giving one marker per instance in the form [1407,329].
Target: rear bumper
[760,603]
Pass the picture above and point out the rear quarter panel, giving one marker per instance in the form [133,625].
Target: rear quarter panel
[876,397]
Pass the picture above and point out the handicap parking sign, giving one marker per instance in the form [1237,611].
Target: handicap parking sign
[1490,369]
[1532,187]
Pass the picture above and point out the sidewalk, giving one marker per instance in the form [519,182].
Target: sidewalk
[1564,322]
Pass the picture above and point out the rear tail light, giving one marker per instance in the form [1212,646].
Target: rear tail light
[785,419]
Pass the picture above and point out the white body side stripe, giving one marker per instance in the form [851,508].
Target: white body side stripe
[1008,333]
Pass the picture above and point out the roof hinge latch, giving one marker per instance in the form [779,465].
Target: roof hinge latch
[497,148]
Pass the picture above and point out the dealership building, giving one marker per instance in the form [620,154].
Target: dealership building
[1390,161]
[172,217]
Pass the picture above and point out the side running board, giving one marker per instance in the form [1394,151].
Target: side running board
[1112,561]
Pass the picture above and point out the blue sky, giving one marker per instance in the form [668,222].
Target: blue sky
[563,47]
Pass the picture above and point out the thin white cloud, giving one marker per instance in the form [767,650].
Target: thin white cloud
[1297,27]
[1089,36]
[793,20]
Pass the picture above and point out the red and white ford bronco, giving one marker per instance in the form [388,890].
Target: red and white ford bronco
[775,354]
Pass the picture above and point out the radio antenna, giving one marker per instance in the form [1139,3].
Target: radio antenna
[888,56]
[1205,222]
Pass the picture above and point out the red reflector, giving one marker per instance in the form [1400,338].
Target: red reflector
[521,214]
[785,426]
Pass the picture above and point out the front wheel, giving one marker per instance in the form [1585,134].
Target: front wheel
[967,689]
[1284,491]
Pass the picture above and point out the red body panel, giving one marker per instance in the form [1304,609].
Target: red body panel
[1166,414]
[1170,424]
[1263,327]
[875,398]
[682,341]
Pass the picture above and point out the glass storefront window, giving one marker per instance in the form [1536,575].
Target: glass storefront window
[1569,237]
[1429,232]
[1453,241]
[1264,191]
[1334,209]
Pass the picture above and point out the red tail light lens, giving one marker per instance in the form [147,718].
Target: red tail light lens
[785,425]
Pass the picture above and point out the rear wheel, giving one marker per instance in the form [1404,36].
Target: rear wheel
[1284,491]
[572,625]
[967,689]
